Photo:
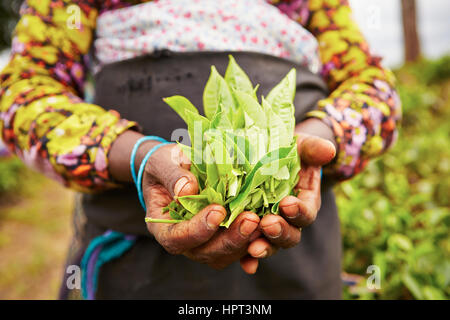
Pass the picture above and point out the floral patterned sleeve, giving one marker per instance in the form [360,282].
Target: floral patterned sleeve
[363,108]
[43,118]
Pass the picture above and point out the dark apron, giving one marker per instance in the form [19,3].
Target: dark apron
[135,89]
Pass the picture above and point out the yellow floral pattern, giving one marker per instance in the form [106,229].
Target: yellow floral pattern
[363,108]
[43,117]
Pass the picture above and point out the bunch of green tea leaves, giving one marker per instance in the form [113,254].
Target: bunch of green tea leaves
[243,153]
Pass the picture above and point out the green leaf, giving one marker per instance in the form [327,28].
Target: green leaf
[257,199]
[400,241]
[222,188]
[216,91]
[195,156]
[252,109]
[275,207]
[281,191]
[432,293]
[212,173]
[242,149]
[259,141]
[238,117]
[180,105]
[237,79]
[197,125]
[412,285]
[213,196]
[233,187]
[220,120]
[281,98]
[234,183]
[278,134]
[194,203]
[222,159]
[284,91]
[253,179]
[282,174]
[174,215]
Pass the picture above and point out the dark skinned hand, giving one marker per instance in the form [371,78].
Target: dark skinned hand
[199,239]
[284,230]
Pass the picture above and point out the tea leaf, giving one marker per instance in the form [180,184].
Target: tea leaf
[237,79]
[216,91]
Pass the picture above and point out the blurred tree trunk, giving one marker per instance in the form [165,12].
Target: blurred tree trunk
[411,39]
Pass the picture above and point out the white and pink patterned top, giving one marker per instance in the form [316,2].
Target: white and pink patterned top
[203,25]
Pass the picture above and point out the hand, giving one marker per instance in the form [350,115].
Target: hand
[200,239]
[284,230]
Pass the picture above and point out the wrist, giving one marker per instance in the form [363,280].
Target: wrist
[142,151]
[120,154]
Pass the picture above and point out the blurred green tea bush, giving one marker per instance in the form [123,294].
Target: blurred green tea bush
[10,170]
[396,213]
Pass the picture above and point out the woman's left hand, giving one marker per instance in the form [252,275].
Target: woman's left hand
[284,231]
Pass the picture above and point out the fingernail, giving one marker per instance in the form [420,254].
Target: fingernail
[291,211]
[273,231]
[261,255]
[247,227]
[214,218]
[179,185]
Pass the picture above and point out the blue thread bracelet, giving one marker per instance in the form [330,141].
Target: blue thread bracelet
[141,172]
[134,151]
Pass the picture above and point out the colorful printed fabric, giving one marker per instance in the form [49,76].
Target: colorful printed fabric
[45,121]
[194,25]
[363,108]
[43,118]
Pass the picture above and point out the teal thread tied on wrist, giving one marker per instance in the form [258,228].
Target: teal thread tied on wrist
[141,172]
[134,151]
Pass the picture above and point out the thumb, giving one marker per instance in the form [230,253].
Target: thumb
[170,167]
[315,151]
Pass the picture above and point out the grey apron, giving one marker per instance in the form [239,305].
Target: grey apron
[135,89]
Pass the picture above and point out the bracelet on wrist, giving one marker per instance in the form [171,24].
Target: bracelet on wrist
[138,179]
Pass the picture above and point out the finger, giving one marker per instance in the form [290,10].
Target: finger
[169,166]
[249,264]
[261,248]
[279,232]
[180,237]
[156,196]
[302,210]
[231,244]
[315,151]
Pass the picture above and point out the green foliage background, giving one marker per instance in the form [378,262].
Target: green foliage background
[396,213]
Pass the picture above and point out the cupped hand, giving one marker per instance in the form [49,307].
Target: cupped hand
[200,238]
[284,230]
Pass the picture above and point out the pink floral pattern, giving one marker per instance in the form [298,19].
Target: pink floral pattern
[193,25]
